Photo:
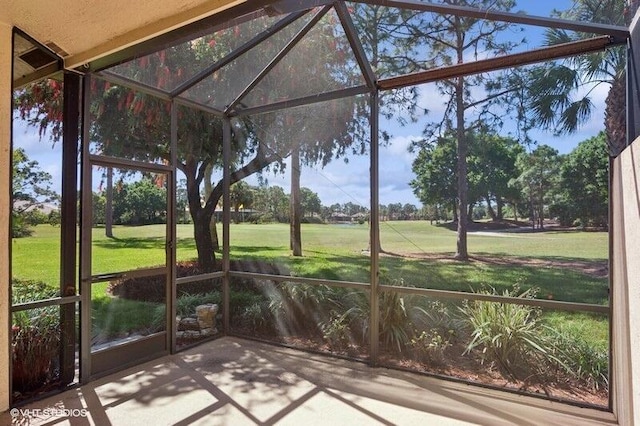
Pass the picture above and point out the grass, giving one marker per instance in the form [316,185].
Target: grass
[337,252]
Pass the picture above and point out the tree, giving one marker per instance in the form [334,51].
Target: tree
[559,93]
[584,183]
[409,211]
[278,203]
[538,179]
[31,189]
[140,203]
[310,202]
[448,40]
[491,165]
[436,174]
[241,196]
[99,207]
[182,201]
[108,224]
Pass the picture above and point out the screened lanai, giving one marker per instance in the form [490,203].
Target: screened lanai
[305,95]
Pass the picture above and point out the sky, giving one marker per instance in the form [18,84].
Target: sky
[341,182]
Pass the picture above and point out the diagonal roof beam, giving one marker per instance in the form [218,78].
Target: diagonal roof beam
[307,100]
[132,84]
[356,44]
[274,29]
[558,51]
[197,105]
[617,32]
[285,50]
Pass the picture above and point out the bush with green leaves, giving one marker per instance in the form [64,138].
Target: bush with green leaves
[35,342]
[300,307]
[336,331]
[394,320]
[399,314]
[258,318]
[508,334]
[580,360]
[430,346]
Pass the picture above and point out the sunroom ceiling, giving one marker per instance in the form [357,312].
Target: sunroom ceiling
[83,31]
[292,52]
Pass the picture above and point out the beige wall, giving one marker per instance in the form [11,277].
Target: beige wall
[626,284]
[5,166]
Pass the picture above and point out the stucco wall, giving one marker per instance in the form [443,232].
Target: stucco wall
[626,284]
[5,166]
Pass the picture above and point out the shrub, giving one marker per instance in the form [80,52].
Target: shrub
[430,346]
[437,316]
[580,359]
[240,300]
[185,306]
[336,331]
[397,312]
[153,289]
[394,321]
[257,317]
[35,342]
[20,228]
[509,334]
[300,308]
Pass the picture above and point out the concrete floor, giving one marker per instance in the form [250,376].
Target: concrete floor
[232,381]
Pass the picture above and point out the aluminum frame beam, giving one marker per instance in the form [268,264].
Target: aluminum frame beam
[68,228]
[617,32]
[356,45]
[517,59]
[307,100]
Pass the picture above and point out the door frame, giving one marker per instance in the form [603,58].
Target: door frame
[104,361]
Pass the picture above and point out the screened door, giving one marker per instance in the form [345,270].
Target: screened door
[125,264]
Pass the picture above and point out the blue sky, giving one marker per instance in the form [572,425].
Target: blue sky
[342,182]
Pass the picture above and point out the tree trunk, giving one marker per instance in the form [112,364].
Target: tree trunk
[532,208]
[295,240]
[204,243]
[108,214]
[208,188]
[615,118]
[214,233]
[492,213]
[541,208]
[462,149]
[201,219]
[499,208]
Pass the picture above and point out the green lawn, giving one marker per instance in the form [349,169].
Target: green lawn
[338,252]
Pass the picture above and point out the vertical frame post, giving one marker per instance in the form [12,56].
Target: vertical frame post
[374,232]
[69,211]
[172,213]
[86,210]
[226,218]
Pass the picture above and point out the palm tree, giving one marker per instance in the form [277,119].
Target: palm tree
[560,94]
